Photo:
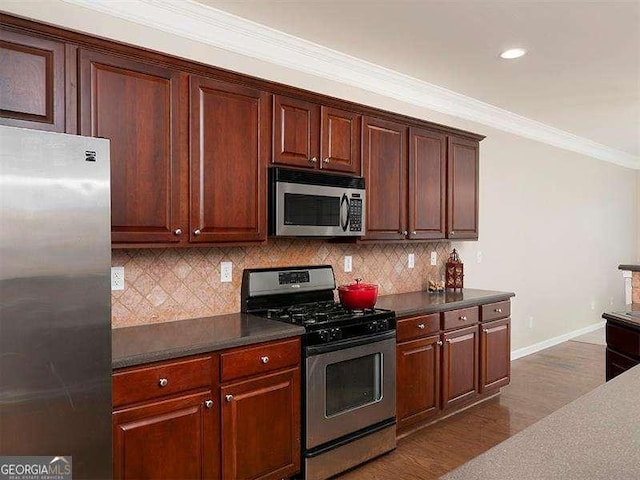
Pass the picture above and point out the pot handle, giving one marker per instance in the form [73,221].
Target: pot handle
[358,280]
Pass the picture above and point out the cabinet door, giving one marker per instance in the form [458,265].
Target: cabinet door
[136,106]
[385,172]
[462,188]
[495,354]
[296,132]
[459,366]
[417,380]
[173,439]
[32,85]
[230,139]
[427,184]
[340,146]
[261,426]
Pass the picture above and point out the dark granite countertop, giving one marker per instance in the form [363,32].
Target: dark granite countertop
[423,303]
[595,437]
[629,316]
[162,341]
[630,267]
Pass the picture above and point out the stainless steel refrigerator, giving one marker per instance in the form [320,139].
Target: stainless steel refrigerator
[55,299]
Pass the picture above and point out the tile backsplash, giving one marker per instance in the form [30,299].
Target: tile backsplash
[636,287]
[169,284]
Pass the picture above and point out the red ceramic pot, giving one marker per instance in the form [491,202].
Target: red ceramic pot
[358,296]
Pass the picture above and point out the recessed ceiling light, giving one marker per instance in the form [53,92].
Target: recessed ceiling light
[513,53]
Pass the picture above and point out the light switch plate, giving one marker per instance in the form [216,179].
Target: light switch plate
[348,263]
[479,256]
[226,271]
[411,262]
[117,278]
[434,258]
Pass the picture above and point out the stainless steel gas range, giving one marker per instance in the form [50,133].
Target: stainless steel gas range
[349,361]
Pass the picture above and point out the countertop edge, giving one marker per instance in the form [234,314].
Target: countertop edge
[629,267]
[437,308]
[622,319]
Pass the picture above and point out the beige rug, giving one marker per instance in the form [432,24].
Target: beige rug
[597,337]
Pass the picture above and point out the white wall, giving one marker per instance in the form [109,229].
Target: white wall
[554,224]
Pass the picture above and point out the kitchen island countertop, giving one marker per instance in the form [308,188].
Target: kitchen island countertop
[595,437]
[424,303]
[163,341]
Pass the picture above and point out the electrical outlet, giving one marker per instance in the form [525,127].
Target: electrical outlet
[117,278]
[226,271]
[434,258]
[530,322]
[479,256]
[411,261]
[610,300]
[593,304]
[348,263]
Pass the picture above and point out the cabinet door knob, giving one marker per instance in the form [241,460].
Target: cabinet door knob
[463,318]
[405,233]
[326,160]
[228,398]
[208,404]
[421,326]
[178,231]
[498,310]
[414,233]
[449,340]
[197,232]
[264,359]
[163,382]
[485,330]
[452,233]
[440,342]
[313,160]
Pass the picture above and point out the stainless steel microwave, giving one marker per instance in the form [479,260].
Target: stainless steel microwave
[311,204]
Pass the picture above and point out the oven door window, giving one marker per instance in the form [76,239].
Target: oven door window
[312,210]
[353,383]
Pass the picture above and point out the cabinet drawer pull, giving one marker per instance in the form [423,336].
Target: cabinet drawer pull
[485,330]
[228,398]
[421,326]
[208,404]
[414,233]
[163,382]
[178,231]
[326,160]
[264,359]
[463,318]
[197,232]
[313,160]
[449,340]
[498,310]
[405,233]
[440,342]
[452,233]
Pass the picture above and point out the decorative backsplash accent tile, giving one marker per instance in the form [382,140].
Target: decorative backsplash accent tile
[636,287]
[169,284]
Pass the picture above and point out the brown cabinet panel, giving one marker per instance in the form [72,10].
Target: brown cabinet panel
[418,380]
[459,366]
[495,354]
[296,130]
[427,184]
[340,147]
[494,311]
[459,318]
[462,188]
[246,361]
[32,82]
[230,139]
[417,327]
[261,426]
[385,171]
[172,439]
[136,106]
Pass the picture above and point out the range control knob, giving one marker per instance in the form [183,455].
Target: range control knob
[336,334]
[372,327]
[324,335]
[383,325]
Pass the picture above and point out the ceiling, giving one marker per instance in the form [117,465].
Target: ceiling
[581,73]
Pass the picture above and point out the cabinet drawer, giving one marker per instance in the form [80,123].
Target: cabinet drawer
[417,327]
[459,318]
[623,340]
[259,359]
[149,382]
[494,311]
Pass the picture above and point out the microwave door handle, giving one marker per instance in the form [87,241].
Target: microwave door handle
[344,212]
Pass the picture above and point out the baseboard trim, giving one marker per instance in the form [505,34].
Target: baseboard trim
[536,347]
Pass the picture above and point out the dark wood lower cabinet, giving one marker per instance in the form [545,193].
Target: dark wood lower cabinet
[170,439]
[417,380]
[495,354]
[261,426]
[459,366]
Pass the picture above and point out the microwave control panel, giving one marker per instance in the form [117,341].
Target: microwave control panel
[355,215]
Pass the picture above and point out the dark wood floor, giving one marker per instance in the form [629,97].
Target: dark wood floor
[540,384]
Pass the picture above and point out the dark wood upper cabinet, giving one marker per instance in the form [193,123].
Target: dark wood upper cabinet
[427,184]
[459,366]
[385,171]
[137,107]
[495,354]
[462,188]
[230,140]
[295,132]
[340,141]
[32,82]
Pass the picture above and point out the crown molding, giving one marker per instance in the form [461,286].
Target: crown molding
[201,23]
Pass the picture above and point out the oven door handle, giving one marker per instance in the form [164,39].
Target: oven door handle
[354,342]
